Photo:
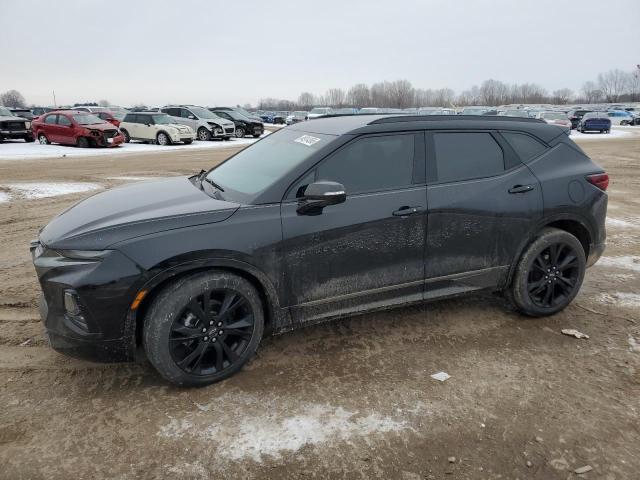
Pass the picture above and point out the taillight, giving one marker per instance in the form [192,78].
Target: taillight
[600,180]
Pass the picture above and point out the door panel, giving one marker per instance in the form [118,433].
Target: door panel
[354,255]
[479,225]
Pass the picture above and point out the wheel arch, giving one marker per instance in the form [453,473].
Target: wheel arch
[572,224]
[275,319]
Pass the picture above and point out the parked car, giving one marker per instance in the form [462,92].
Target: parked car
[75,127]
[319,112]
[345,111]
[575,116]
[620,117]
[22,112]
[239,110]
[555,118]
[368,110]
[337,216]
[635,120]
[113,118]
[475,110]
[296,117]
[155,127]
[14,127]
[273,117]
[37,111]
[244,125]
[598,121]
[205,123]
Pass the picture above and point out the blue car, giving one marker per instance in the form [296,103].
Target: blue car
[595,121]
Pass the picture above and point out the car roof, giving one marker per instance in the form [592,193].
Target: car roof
[359,124]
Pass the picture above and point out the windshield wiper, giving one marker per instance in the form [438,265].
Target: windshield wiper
[214,184]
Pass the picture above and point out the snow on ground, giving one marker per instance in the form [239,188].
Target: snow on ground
[44,190]
[616,132]
[624,224]
[625,262]
[4,197]
[623,299]
[19,150]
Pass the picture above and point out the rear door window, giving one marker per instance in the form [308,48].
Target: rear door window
[466,155]
[525,146]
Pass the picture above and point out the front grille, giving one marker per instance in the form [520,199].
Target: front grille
[13,126]
[228,130]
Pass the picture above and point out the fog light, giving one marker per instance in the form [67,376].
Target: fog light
[71,303]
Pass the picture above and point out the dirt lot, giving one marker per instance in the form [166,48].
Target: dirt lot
[352,399]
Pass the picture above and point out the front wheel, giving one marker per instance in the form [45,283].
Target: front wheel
[204,134]
[240,133]
[188,141]
[203,328]
[549,274]
[163,139]
[29,139]
[125,134]
[82,142]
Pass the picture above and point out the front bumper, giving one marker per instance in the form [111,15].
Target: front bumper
[113,141]
[16,133]
[181,137]
[104,291]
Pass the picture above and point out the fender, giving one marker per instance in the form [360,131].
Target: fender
[280,318]
[543,222]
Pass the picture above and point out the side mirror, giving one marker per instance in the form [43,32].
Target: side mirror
[319,195]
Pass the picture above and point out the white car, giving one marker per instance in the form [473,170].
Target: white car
[555,118]
[620,117]
[319,112]
[205,123]
[155,127]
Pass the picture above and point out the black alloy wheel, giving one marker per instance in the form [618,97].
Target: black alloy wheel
[553,276]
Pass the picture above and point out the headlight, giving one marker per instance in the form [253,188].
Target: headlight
[91,255]
[218,130]
[27,124]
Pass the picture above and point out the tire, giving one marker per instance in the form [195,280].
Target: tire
[29,139]
[256,136]
[187,142]
[204,134]
[125,134]
[82,142]
[240,132]
[163,139]
[536,292]
[178,312]
[42,139]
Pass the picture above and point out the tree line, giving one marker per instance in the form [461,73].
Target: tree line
[612,86]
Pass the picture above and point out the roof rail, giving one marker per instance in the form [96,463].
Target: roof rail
[433,118]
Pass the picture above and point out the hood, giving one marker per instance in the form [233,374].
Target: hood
[132,211]
[181,128]
[6,118]
[223,122]
[99,126]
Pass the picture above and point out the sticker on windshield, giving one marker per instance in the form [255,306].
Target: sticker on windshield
[307,140]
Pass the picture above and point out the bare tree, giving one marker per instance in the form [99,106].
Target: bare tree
[562,96]
[13,98]
[612,84]
[493,92]
[633,85]
[401,94]
[379,97]
[335,97]
[306,100]
[359,96]
[591,92]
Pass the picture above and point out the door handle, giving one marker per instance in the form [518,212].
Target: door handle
[521,188]
[406,211]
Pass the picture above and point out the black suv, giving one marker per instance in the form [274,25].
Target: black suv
[244,125]
[320,220]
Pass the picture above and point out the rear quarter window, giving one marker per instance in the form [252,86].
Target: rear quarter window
[524,145]
[466,155]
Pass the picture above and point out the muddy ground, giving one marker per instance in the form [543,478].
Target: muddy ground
[353,399]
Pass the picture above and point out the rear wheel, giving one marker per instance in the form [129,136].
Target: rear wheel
[549,274]
[203,328]
[42,139]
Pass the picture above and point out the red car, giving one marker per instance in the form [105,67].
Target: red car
[111,117]
[70,127]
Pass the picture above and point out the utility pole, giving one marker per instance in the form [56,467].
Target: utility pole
[54,99]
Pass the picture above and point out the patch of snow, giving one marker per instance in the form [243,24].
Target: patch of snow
[18,150]
[441,376]
[626,262]
[45,190]
[262,435]
[614,134]
[617,222]
[4,197]
[631,300]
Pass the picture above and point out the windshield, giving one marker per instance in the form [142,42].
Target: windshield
[162,119]
[6,112]
[203,112]
[554,116]
[259,166]
[87,119]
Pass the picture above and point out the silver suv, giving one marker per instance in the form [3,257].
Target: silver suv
[206,124]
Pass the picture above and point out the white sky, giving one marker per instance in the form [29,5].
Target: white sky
[213,53]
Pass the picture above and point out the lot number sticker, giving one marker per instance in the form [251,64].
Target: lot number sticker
[307,140]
